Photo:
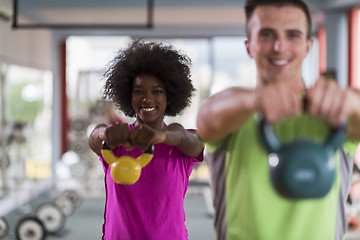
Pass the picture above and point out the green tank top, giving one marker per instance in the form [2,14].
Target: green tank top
[252,210]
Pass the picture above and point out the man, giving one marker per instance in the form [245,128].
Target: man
[247,206]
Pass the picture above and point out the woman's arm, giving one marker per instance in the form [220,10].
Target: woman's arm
[186,140]
[172,135]
[96,137]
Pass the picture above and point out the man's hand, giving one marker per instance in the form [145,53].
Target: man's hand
[328,101]
[279,101]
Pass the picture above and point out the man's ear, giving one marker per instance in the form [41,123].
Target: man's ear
[247,45]
[309,43]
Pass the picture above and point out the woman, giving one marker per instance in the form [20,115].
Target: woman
[148,81]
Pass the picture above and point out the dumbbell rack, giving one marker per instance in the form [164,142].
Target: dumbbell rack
[38,214]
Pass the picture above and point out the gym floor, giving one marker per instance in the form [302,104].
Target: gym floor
[86,221]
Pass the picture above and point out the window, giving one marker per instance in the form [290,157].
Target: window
[28,115]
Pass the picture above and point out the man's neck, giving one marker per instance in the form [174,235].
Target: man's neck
[297,84]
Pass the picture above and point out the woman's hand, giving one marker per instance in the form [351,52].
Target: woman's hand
[114,135]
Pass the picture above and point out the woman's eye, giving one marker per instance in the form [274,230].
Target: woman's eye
[138,92]
[158,92]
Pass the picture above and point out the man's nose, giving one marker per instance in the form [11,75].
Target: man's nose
[279,44]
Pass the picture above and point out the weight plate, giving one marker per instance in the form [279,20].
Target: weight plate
[73,196]
[30,228]
[51,216]
[79,125]
[79,145]
[5,161]
[79,170]
[4,227]
[70,157]
[65,204]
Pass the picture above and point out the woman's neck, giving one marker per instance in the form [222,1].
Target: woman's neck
[158,125]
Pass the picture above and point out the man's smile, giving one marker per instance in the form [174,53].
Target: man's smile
[279,62]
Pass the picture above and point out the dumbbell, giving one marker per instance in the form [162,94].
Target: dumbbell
[30,228]
[79,125]
[79,145]
[4,227]
[80,169]
[65,204]
[302,168]
[51,216]
[4,161]
[74,197]
[125,169]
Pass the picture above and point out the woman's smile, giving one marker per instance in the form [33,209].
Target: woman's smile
[147,109]
[149,99]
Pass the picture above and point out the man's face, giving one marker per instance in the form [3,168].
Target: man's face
[278,42]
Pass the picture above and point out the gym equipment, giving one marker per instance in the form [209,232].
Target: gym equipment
[17,134]
[3,170]
[4,227]
[51,216]
[73,196]
[30,228]
[79,125]
[302,168]
[353,223]
[79,170]
[4,161]
[79,145]
[65,204]
[125,169]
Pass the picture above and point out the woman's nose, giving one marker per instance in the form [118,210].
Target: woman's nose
[147,98]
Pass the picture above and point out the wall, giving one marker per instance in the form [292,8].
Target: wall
[26,47]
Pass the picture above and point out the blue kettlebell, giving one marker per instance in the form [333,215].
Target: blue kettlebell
[301,169]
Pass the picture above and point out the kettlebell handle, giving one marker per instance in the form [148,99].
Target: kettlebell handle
[267,134]
[271,142]
[149,151]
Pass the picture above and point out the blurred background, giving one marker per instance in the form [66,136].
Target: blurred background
[52,57]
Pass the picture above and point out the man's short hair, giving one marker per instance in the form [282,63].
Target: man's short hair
[251,5]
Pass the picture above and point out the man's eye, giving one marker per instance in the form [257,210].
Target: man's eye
[293,35]
[267,35]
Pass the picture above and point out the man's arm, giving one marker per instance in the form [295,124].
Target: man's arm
[227,111]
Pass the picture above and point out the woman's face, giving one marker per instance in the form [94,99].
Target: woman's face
[148,99]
